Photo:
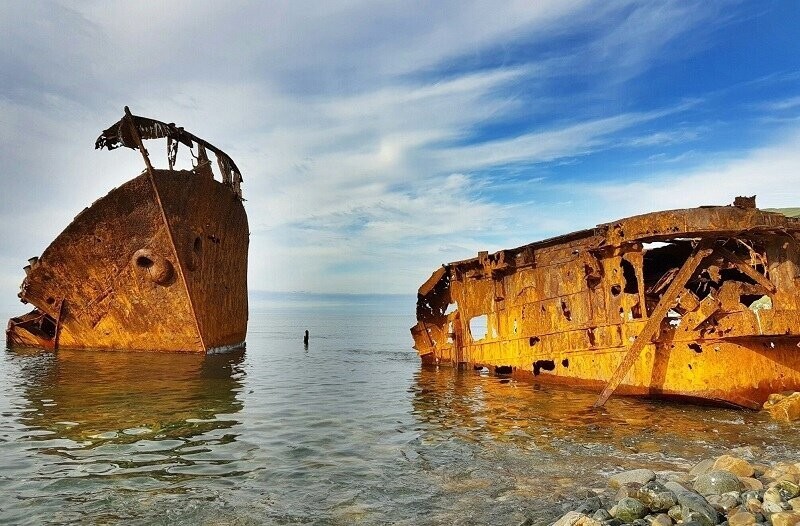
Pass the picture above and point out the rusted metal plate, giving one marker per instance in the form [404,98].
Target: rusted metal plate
[158,264]
[570,309]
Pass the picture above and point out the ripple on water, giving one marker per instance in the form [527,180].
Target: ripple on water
[351,430]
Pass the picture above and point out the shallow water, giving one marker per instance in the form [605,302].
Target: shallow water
[350,430]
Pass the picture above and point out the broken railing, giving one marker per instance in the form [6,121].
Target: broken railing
[132,129]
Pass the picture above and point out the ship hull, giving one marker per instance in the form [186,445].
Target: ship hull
[158,264]
[698,303]
[698,372]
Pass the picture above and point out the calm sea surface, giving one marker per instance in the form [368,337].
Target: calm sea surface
[351,430]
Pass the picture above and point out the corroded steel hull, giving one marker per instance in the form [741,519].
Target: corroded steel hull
[158,264]
[699,303]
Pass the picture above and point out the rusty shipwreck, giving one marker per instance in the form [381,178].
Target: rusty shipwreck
[700,303]
[158,264]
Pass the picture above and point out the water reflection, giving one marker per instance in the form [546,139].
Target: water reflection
[488,409]
[87,395]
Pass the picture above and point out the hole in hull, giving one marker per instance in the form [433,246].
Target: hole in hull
[543,365]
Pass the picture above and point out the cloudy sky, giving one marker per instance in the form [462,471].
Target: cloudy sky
[380,139]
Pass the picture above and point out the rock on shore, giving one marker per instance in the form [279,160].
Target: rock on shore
[731,490]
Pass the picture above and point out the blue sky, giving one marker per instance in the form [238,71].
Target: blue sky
[381,139]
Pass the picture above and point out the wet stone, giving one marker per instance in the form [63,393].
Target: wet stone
[629,489]
[750,483]
[589,506]
[675,487]
[637,476]
[702,467]
[723,503]
[737,466]
[675,513]
[695,508]
[569,519]
[786,518]
[662,519]
[752,494]
[601,515]
[753,505]
[629,509]
[717,483]
[773,494]
[742,518]
[656,496]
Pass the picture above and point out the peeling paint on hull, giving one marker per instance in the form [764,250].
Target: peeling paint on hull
[697,303]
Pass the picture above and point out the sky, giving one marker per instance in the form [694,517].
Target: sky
[380,139]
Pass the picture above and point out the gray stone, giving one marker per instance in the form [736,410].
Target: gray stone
[723,503]
[589,506]
[602,515]
[629,509]
[717,483]
[702,467]
[753,494]
[675,487]
[656,497]
[639,476]
[678,476]
[700,510]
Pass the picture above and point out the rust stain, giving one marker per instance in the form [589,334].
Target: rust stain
[698,303]
[158,264]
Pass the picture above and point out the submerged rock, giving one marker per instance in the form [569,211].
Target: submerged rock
[783,407]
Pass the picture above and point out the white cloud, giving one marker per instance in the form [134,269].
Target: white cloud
[353,122]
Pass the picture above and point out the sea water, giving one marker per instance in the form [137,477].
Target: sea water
[350,430]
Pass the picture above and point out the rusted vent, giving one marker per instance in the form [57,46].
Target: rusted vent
[144,262]
[157,267]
